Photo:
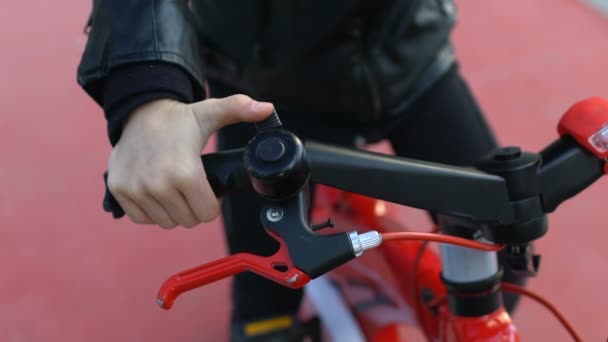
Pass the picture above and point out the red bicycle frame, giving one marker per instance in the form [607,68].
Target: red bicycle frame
[402,273]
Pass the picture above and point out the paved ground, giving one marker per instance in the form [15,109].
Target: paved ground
[70,273]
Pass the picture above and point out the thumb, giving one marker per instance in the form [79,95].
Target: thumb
[213,114]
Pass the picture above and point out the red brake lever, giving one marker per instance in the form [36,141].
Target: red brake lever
[278,268]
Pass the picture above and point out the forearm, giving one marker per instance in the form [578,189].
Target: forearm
[133,57]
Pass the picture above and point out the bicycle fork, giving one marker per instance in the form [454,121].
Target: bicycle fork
[474,310]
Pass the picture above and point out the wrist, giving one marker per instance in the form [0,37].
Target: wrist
[152,114]
[132,86]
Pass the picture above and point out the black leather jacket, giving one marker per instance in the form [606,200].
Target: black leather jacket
[366,59]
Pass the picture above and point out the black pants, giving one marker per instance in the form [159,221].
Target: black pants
[444,125]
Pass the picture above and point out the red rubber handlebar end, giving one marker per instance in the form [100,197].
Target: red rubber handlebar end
[587,122]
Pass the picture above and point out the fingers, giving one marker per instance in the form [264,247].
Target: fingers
[178,209]
[199,195]
[185,199]
[133,211]
[139,203]
[212,114]
[156,211]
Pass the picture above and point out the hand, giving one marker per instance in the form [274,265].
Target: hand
[155,171]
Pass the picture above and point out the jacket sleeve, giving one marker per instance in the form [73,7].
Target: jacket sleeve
[122,32]
[130,86]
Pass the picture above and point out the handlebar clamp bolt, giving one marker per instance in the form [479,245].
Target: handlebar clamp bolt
[507,153]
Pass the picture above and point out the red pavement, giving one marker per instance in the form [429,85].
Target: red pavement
[71,273]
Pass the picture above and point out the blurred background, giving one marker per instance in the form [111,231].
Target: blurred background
[68,272]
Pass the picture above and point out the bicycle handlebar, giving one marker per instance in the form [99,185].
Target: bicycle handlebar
[424,185]
[494,192]
[509,191]
[566,169]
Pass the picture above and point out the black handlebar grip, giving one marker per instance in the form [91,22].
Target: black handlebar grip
[225,173]
[110,204]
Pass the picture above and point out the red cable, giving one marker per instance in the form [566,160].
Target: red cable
[454,240]
[417,298]
[485,247]
[522,291]
[428,237]
[419,254]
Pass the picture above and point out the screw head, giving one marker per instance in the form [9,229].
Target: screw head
[274,214]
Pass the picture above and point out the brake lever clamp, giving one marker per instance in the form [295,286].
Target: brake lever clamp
[313,253]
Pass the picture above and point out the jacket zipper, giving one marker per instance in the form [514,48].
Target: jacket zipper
[259,52]
[372,84]
[374,90]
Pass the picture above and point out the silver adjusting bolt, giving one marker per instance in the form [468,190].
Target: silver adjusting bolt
[365,241]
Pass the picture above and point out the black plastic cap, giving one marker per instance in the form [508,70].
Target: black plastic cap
[276,163]
[519,169]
